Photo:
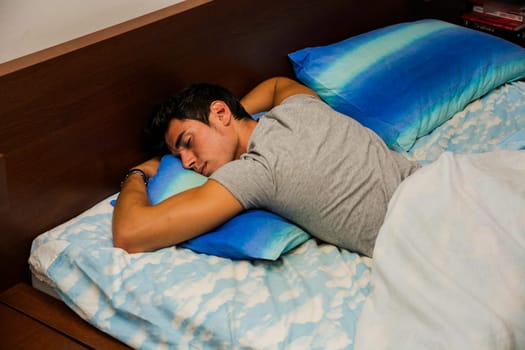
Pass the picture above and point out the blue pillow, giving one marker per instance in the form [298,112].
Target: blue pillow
[405,80]
[253,234]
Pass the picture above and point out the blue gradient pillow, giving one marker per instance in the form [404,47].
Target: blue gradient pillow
[405,80]
[253,234]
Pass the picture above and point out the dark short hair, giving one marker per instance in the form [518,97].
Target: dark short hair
[192,102]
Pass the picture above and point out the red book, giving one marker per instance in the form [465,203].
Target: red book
[499,22]
[515,16]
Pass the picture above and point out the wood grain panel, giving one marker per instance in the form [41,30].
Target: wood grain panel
[20,332]
[48,312]
[71,116]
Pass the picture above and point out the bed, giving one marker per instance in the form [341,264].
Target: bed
[315,295]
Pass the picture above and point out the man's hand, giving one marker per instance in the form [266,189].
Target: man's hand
[149,167]
[139,226]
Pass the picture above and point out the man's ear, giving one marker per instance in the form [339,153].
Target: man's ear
[221,111]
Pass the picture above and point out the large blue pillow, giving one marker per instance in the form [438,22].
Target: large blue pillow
[253,234]
[404,80]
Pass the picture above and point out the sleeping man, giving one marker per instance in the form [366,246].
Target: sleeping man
[302,160]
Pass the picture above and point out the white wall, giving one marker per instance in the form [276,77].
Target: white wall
[27,26]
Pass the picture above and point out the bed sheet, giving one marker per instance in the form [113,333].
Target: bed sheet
[449,262]
[175,298]
[494,122]
[310,298]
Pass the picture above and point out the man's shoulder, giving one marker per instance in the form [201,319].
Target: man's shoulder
[298,98]
[294,106]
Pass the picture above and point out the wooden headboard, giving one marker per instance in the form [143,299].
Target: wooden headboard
[71,116]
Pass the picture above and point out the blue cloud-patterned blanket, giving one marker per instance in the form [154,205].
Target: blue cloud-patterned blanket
[175,298]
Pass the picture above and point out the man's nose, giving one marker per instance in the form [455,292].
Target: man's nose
[188,159]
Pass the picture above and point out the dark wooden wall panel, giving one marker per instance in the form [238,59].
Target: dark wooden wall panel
[70,123]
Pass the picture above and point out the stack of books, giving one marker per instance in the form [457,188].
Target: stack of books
[504,18]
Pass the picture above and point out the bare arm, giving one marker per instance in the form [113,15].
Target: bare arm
[271,93]
[139,226]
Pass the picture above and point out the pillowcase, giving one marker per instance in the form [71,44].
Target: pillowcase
[404,80]
[253,234]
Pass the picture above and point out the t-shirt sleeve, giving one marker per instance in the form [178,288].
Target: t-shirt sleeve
[248,179]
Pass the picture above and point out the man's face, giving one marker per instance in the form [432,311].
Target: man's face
[202,148]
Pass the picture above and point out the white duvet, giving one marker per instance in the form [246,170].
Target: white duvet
[449,263]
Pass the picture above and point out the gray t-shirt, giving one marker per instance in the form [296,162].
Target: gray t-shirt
[320,169]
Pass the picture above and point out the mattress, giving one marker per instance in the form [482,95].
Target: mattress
[311,297]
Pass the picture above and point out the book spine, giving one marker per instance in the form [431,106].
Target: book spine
[487,28]
[478,9]
[518,17]
[500,23]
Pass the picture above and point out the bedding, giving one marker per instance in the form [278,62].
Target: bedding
[449,262]
[253,234]
[310,297]
[494,122]
[405,80]
[176,298]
